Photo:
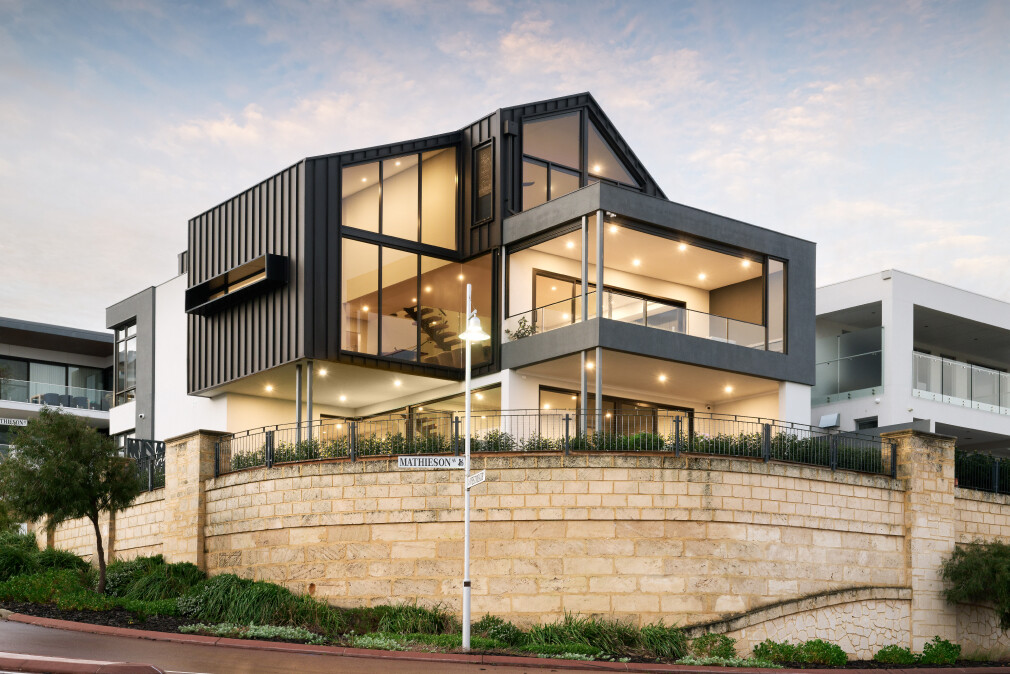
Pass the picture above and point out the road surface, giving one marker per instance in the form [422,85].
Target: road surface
[199,659]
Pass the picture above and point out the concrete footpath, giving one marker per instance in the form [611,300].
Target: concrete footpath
[404,657]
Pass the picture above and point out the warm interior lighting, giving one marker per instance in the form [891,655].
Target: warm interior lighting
[728,389]
[613,229]
[596,168]
[636,262]
[460,277]
[322,373]
[662,377]
[364,180]
[745,263]
[339,426]
[427,289]
[420,409]
[413,299]
[397,382]
[480,396]
[554,287]
[483,417]
[547,406]
[564,317]
[589,365]
[343,399]
[573,397]
[570,244]
[397,162]
[702,276]
[608,415]
[364,308]
[269,388]
[682,247]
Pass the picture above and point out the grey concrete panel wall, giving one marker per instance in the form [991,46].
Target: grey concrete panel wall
[139,307]
[550,345]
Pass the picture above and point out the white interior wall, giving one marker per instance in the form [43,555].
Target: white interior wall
[522,264]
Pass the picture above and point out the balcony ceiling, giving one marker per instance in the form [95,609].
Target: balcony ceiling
[639,375]
[986,344]
[657,257]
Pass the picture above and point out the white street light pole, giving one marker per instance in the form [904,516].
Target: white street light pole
[473,333]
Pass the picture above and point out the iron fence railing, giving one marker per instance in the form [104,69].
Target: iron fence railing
[982,472]
[150,458]
[556,431]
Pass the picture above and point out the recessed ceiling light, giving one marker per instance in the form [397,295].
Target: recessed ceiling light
[636,262]
[427,289]
[420,409]
[573,397]
[483,417]
[339,426]
[570,244]
[397,162]
[413,299]
[364,308]
[564,317]
[269,388]
[554,287]
[728,389]
[745,263]
[613,229]
[364,180]
[662,377]
[547,406]
[480,396]
[682,247]
[596,168]
[397,382]
[702,276]
[343,399]
[608,415]
[322,373]
[589,365]
[460,277]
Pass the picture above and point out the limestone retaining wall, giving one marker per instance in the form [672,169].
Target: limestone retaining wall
[981,516]
[635,536]
[136,531]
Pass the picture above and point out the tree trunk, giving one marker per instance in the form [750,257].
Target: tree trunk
[101,554]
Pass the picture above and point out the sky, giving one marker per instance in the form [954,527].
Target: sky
[879,130]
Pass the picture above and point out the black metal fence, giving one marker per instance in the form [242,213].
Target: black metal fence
[150,458]
[557,431]
[982,472]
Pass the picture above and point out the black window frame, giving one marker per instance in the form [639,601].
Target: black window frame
[122,336]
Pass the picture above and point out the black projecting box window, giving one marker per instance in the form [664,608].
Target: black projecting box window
[483,184]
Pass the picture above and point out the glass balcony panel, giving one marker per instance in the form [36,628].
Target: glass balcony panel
[55,395]
[984,388]
[746,334]
[623,308]
[666,316]
[962,384]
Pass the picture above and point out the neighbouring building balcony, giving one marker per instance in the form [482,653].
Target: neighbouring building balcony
[638,311]
[54,395]
[962,384]
[848,377]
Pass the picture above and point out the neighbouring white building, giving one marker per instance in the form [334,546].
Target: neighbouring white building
[895,349]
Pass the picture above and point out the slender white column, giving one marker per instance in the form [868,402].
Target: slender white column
[466,489]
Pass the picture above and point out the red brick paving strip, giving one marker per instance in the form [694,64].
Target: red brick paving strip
[440,657]
[64,666]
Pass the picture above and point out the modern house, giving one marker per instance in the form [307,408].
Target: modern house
[55,366]
[899,350]
[335,289]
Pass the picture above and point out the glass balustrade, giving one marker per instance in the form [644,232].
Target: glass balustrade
[848,377]
[639,311]
[962,384]
[54,395]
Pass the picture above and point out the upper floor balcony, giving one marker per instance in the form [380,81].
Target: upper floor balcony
[612,268]
[55,395]
[962,384]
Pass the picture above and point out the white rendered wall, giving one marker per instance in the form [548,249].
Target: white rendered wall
[175,412]
[123,418]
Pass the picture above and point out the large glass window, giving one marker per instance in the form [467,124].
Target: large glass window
[13,380]
[360,293]
[126,363]
[421,316]
[553,139]
[399,304]
[438,198]
[406,197]
[603,163]
[776,306]
[534,183]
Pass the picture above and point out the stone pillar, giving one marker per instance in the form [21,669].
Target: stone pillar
[926,467]
[189,462]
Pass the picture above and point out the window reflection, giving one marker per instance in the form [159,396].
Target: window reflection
[555,139]
[563,182]
[603,162]
[360,293]
[359,203]
[534,184]
[776,306]
[399,197]
[438,198]
[399,304]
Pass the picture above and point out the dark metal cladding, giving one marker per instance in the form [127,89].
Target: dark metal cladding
[268,330]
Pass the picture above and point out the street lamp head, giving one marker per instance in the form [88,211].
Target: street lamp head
[474,332]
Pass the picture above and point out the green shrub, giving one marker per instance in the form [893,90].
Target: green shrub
[980,573]
[234,631]
[228,598]
[668,643]
[611,636]
[939,652]
[777,651]
[895,655]
[714,646]
[727,662]
[16,560]
[16,539]
[553,650]
[412,619]
[151,579]
[52,558]
[820,652]
[499,629]
[41,588]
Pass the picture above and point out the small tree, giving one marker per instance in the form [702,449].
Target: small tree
[980,573]
[63,469]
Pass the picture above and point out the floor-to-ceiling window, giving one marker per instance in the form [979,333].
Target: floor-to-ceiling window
[126,363]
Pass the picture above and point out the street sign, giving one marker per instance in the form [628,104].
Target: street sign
[13,422]
[430,462]
[475,479]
